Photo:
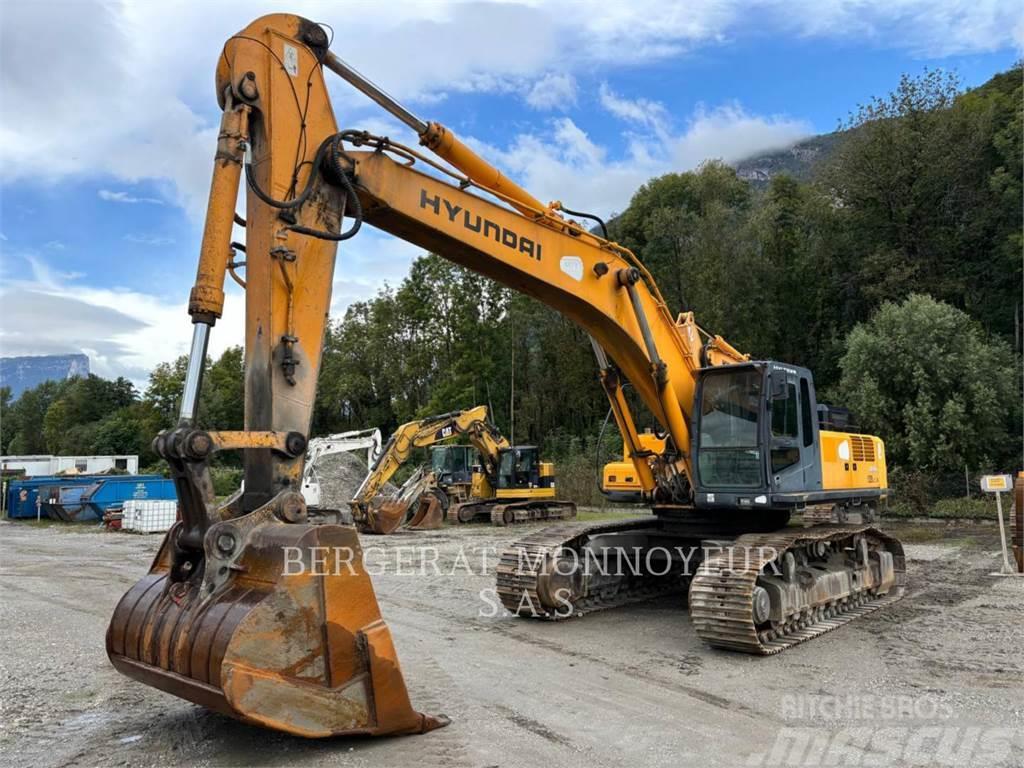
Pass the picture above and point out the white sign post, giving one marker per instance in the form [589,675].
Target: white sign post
[999,484]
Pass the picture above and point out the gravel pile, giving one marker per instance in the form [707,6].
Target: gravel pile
[340,476]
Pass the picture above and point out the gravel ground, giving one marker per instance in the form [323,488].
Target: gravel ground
[934,680]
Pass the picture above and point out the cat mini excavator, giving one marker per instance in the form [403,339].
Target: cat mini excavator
[243,612]
[509,485]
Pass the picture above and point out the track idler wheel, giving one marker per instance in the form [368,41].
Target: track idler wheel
[279,626]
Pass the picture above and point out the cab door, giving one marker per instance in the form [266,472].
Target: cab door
[793,464]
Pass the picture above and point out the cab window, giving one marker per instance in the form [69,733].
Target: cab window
[784,412]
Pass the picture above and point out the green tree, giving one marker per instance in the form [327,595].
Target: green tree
[122,432]
[166,383]
[941,392]
[224,390]
[27,416]
[6,432]
[928,181]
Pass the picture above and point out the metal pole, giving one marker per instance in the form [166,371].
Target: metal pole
[1002,533]
[512,397]
[194,375]
[365,86]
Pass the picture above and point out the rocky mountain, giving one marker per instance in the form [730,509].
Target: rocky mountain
[21,373]
[798,161]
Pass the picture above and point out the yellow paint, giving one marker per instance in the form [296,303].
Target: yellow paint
[525,493]
[621,476]
[852,461]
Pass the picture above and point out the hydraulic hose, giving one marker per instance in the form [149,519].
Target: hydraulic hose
[592,217]
[599,475]
[328,147]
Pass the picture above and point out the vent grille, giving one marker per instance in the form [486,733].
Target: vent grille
[862,448]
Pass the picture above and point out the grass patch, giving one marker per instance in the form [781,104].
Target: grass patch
[590,514]
[983,508]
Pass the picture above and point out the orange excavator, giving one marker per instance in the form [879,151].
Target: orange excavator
[241,610]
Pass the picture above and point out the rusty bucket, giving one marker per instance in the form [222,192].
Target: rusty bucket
[429,513]
[281,629]
[383,518]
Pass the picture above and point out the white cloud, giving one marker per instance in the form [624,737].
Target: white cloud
[123,102]
[565,163]
[54,245]
[147,239]
[128,332]
[924,28]
[644,112]
[124,197]
[556,90]
[124,332]
[366,263]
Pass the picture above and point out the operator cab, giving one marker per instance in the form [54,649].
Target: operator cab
[519,467]
[756,437]
[453,464]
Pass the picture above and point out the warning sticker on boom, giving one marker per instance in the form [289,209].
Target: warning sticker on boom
[291,60]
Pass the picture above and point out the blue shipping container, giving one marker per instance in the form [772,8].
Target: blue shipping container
[78,503]
[83,498]
[22,495]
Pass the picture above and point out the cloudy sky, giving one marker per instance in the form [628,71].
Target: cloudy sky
[108,123]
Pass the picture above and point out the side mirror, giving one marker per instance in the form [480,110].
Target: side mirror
[777,388]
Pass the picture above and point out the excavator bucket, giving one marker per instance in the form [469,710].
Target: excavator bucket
[385,518]
[429,514]
[285,633]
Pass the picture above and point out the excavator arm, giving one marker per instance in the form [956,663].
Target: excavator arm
[472,423]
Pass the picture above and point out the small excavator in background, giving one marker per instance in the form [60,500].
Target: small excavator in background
[320,447]
[506,484]
[620,483]
[240,613]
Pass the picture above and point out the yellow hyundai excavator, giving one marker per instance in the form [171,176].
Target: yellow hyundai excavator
[242,611]
[510,486]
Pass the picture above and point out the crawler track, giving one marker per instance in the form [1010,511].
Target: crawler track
[721,593]
[523,569]
[531,512]
[512,512]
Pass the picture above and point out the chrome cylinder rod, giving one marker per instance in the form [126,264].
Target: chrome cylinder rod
[194,375]
[364,85]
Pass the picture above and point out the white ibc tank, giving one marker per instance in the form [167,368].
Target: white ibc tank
[148,516]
